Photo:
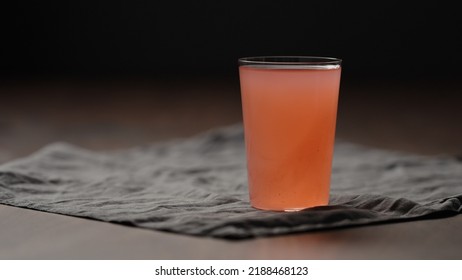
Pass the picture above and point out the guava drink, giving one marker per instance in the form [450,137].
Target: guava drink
[289,121]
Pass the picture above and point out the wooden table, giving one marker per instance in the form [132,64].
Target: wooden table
[423,119]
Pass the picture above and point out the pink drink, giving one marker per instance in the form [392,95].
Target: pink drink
[289,119]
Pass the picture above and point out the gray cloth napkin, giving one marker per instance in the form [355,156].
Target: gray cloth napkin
[198,186]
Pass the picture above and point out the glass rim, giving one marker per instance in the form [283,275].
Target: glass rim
[289,61]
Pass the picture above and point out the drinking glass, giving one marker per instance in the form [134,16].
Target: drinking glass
[289,108]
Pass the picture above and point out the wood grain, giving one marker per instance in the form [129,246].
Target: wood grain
[114,115]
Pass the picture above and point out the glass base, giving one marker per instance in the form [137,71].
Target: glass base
[297,209]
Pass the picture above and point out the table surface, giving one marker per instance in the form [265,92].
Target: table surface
[423,119]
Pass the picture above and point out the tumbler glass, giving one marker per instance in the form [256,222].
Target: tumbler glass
[289,109]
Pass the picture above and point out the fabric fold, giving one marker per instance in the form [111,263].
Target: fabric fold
[198,186]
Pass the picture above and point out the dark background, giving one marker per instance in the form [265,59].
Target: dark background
[378,40]
[112,74]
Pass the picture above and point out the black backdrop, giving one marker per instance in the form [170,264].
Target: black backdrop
[400,40]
